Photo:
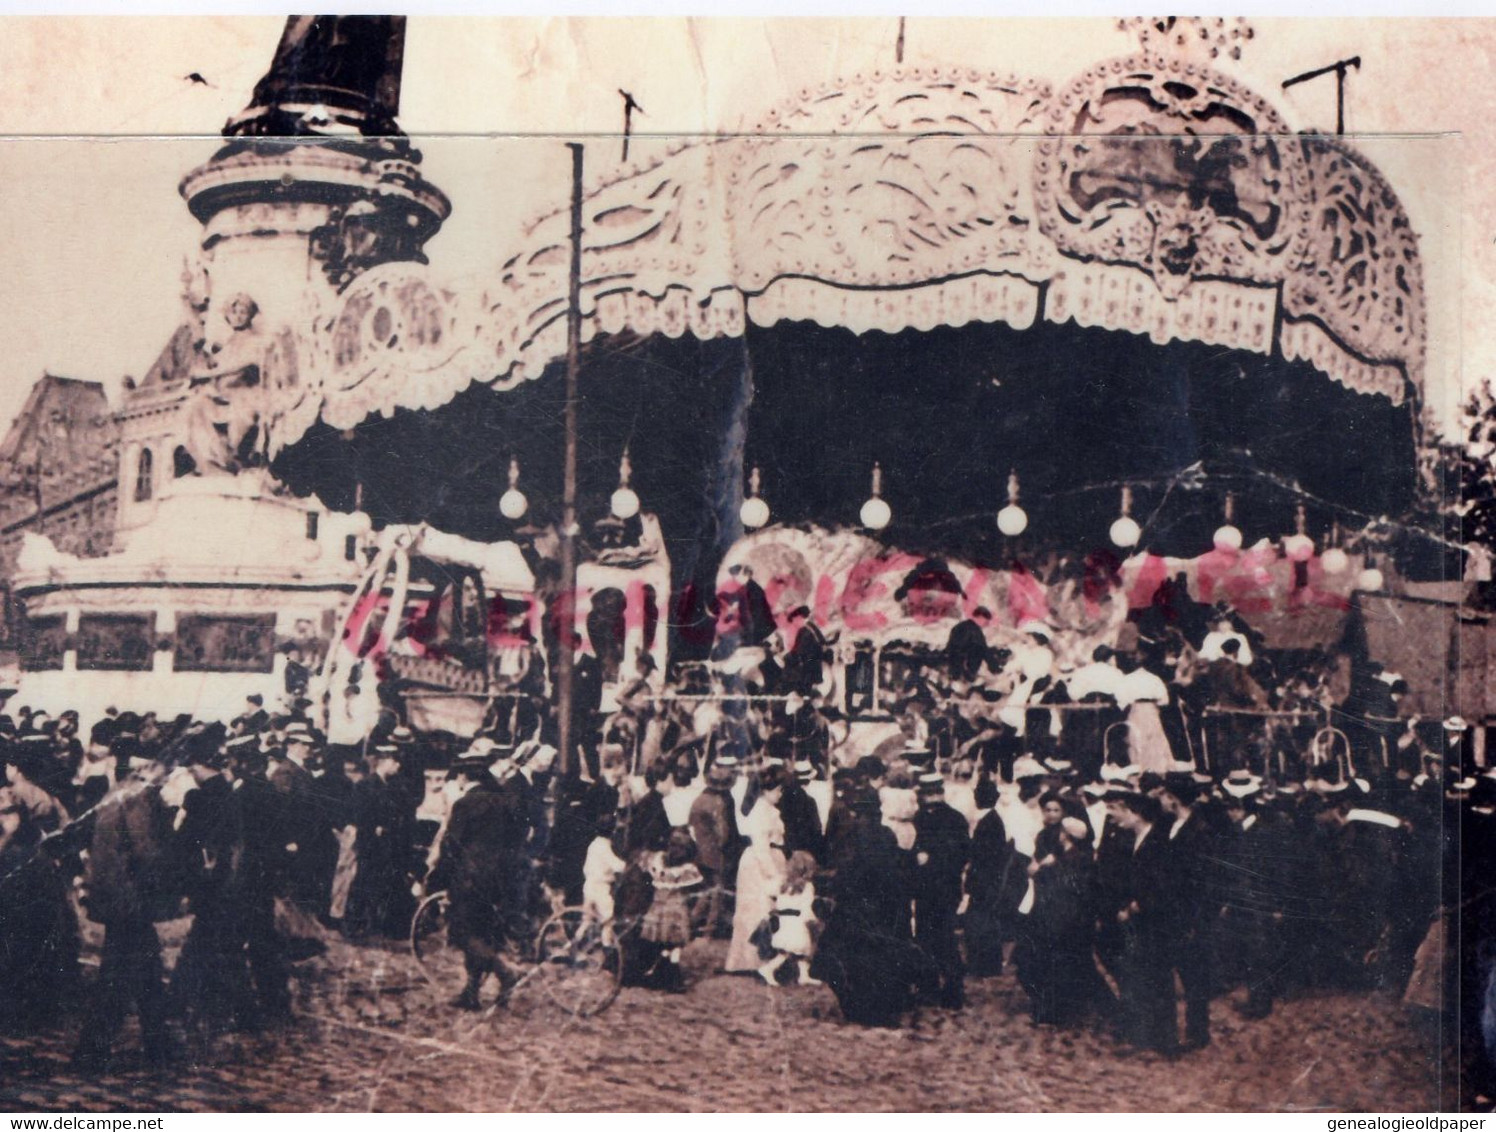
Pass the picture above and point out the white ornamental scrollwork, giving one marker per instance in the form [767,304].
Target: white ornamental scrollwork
[1165,165]
[395,340]
[891,180]
[1163,198]
[1360,277]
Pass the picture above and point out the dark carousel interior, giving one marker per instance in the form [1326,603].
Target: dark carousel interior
[948,413]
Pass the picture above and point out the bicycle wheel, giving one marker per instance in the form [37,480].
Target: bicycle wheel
[439,961]
[579,962]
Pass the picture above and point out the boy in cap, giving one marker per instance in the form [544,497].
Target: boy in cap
[713,824]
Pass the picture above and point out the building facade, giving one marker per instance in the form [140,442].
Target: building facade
[59,471]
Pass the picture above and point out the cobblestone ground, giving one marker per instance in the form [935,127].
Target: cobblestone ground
[370,1032]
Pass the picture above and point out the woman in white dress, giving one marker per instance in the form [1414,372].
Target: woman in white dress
[1142,694]
[761,872]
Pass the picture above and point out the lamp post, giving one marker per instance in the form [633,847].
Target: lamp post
[1227,536]
[1012,520]
[876,514]
[1299,546]
[1371,578]
[625,503]
[1125,531]
[1335,560]
[513,504]
[755,512]
[564,657]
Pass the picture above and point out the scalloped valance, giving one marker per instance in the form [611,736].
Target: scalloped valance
[1151,195]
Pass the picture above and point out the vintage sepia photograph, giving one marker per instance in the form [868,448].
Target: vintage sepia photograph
[750,565]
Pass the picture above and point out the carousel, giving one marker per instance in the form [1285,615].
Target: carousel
[939,314]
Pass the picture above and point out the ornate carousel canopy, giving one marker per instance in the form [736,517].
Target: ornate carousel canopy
[1152,194]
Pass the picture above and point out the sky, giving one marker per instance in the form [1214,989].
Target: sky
[94,234]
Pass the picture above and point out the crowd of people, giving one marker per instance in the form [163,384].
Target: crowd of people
[1007,825]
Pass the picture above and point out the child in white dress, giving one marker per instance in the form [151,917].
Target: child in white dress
[793,940]
[600,869]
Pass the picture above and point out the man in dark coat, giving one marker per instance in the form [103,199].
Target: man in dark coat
[534,764]
[648,823]
[966,649]
[211,982]
[941,849]
[1146,921]
[1228,685]
[478,858]
[253,719]
[312,849]
[581,810]
[586,703]
[1474,874]
[804,664]
[530,781]
[1195,890]
[1113,877]
[755,615]
[126,890]
[1256,859]
[384,814]
[802,819]
[799,733]
[986,884]
[865,955]
[261,874]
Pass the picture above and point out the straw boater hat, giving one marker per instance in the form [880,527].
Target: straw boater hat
[721,772]
[1456,723]
[1027,767]
[931,783]
[480,752]
[1036,629]
[1242,784]
[298,731]
[240,747]
[1113,773]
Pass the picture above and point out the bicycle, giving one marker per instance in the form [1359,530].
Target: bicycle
[577,959]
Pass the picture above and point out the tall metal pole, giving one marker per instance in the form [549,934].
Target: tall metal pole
[569,473]
[630,104]
[1339,68]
